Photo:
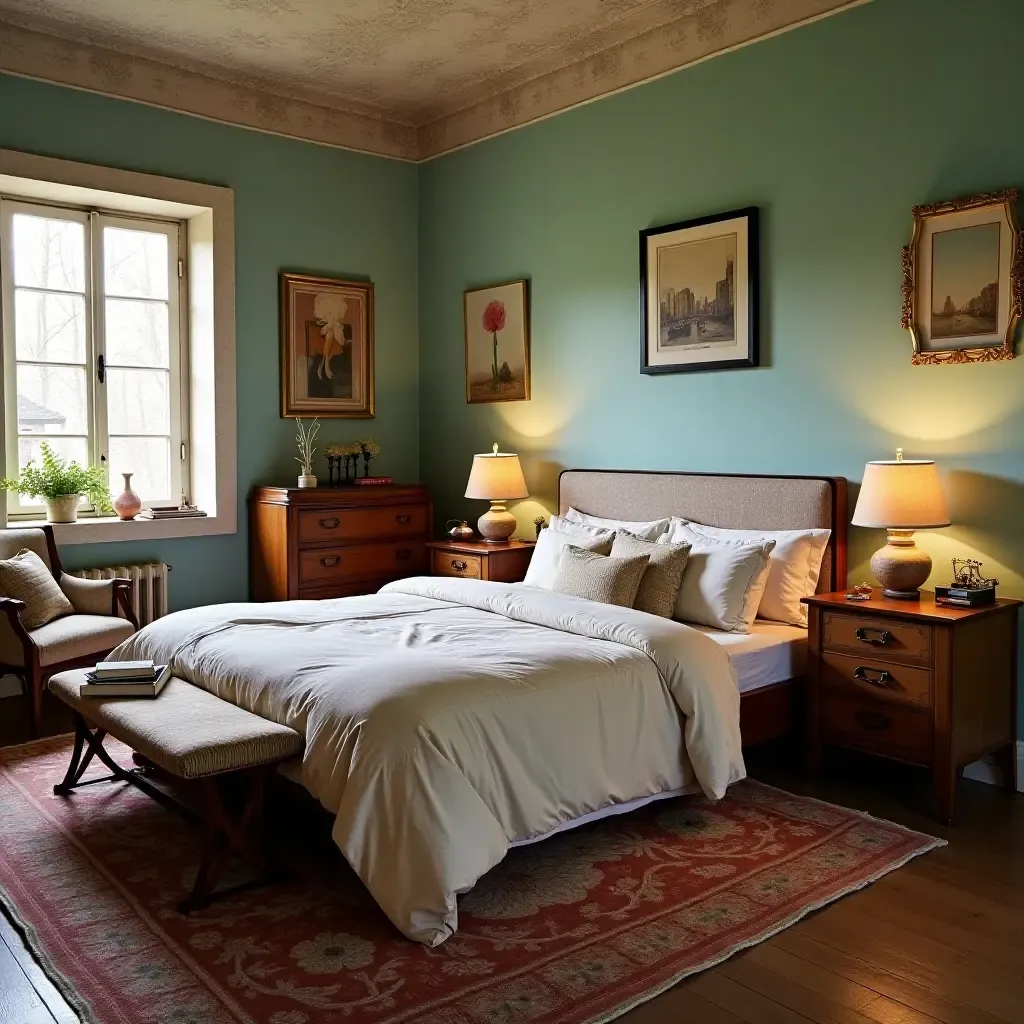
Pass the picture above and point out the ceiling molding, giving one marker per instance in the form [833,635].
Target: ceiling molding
[498,105]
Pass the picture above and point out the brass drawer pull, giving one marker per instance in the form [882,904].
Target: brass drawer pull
[873,720]
[884,636]
[863,674]
[458,565]
[330,561]
[403,554]
[330,524]
[402,520]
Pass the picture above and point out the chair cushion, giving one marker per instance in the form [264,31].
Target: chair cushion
[187,731]
[76,636]
[26,577]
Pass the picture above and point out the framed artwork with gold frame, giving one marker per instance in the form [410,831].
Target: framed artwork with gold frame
[326,347]
[496,320]
[963,279]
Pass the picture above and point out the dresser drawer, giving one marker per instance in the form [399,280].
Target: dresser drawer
[877,728]
[868,676]
[447,564]
[882,638]
[324,527]
[385,560]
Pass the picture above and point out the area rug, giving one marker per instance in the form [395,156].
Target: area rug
[573,930]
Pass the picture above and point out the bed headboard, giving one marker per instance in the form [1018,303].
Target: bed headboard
[728,500]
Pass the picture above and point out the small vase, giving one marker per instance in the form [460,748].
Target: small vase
[307,480]
[127,504]
[62,509]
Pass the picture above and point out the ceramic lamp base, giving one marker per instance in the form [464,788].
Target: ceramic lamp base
[901,566]
[497,524]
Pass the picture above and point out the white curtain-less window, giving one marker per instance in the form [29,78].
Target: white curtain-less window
[93,354]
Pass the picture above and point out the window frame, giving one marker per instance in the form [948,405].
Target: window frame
[94,220]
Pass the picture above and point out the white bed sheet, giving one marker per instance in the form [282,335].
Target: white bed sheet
[770,653]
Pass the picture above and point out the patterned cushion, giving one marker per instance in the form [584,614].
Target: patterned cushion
[660,584]
[186,730]
[599,577]
[26,577]
[76,636]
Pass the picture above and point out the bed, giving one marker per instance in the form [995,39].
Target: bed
[446,720]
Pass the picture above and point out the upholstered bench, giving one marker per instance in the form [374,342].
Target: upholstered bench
[193,735]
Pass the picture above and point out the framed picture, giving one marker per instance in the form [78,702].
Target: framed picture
[699,294]
[326,347]
[497,324]
[963,275]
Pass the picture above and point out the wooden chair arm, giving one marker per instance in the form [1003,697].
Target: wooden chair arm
[123,597]
[13,608]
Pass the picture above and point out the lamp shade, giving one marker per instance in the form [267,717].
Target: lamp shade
[496,476]
[901,495]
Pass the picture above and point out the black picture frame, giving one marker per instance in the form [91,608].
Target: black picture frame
[751,321]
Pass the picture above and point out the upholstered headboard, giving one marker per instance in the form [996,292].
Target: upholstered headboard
[731,501]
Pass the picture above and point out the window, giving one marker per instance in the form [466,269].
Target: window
[94,359]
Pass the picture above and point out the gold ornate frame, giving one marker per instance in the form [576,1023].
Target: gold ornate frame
[982,354]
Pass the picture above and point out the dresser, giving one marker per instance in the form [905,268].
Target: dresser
[479,560]
[928,684]
[335,541]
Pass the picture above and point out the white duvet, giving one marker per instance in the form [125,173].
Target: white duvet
[446,719]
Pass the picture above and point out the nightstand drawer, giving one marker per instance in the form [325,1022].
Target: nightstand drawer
[877,728]
[877,678]
[881,638]
[446,563]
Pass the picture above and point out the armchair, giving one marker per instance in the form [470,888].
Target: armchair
[102,618]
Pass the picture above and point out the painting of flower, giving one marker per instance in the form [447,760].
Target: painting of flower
[497,343]
[326,347]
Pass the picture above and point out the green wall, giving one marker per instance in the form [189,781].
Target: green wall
[298,206]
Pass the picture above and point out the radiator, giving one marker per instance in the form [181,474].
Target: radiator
[149,586]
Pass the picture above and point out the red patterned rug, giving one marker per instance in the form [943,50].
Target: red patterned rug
[573,930]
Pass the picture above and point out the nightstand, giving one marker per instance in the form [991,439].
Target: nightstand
[928,684]
[478,560]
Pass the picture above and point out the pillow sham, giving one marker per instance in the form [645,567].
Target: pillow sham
[599,578]
[793,572]
[25,577]
[544,562]
[659,586]
[722,583]
[645,531]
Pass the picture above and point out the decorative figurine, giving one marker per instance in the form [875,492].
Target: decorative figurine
[969,588]
[461,531]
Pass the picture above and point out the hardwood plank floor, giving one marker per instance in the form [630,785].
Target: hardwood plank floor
[941,940]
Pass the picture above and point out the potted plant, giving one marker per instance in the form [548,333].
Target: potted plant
[61,485]
[304,439]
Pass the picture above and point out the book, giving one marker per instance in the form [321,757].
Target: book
[128,688]
[123,670]
[965,597]
[170,512]
[371,481]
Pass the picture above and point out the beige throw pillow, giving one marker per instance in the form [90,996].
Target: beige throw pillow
[599,577]
[543,566]
[25,577]
[660,584]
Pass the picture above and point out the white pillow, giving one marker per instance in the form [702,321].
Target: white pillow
[794,570]
[645,531]
[543,569]
[723,581]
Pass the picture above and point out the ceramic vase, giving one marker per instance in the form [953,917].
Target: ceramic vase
[307,480]
[127,504]
[62,509]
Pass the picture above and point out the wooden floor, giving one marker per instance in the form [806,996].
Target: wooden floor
[939,940]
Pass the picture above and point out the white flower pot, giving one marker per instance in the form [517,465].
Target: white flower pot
[62,509]
[307,480]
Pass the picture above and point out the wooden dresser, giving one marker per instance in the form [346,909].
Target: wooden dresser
[335,541]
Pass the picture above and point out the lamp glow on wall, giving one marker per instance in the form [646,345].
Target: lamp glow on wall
[496,477]
[901,496]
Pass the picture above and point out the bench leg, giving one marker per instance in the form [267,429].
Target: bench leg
[93,739]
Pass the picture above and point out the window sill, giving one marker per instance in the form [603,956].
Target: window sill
[99,530]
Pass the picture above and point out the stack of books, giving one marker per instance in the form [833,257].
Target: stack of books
[171,512]
[125,679]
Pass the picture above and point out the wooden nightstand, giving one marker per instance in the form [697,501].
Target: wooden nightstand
[914,681]
[478,560]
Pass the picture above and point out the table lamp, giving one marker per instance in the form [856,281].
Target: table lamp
[496,477]
[901,496]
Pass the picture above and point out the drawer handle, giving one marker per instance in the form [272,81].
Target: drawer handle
[458,565]
[873,720]
[330,561]
[884,636]
[402,520]
[864,675]
[403,554]
[330,524]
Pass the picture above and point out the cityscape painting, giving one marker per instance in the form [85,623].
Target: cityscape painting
[965,281]
[699,282]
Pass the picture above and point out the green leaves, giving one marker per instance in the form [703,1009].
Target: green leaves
[56,478]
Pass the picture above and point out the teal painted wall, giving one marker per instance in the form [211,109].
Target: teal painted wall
[835,131]
[298,206]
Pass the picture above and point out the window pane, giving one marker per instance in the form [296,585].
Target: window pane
[49,253]
[148,459]
[49,327]
[135,263]
[137,333]
[138,402]
[52,400]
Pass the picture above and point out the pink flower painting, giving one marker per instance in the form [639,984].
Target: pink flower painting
[497,313]
[494,321]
